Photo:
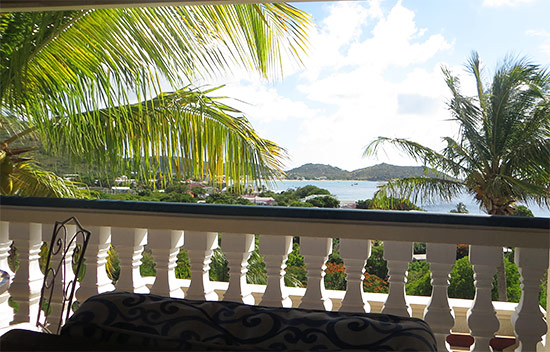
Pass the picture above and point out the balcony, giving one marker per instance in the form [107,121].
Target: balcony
[165,227]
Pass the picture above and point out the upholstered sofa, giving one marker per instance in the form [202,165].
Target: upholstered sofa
[128,321]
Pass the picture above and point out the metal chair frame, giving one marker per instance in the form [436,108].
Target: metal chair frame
[60,246]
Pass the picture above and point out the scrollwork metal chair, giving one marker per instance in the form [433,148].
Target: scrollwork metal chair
[64,263]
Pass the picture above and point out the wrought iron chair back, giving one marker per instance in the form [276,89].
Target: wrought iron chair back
[65,258]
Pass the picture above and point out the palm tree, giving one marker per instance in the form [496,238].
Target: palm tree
[502,153]
[114,87]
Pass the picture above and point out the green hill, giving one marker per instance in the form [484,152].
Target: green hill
[383,172]
[380,172]
[315,171]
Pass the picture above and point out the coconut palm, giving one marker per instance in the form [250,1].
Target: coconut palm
[502,152]
[105,86]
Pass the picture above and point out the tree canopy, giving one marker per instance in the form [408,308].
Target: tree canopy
[502,151]
[114,87]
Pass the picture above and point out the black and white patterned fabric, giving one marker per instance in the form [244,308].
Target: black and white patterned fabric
[178,324]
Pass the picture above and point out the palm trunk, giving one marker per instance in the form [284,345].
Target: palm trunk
[501,280]
[497,208]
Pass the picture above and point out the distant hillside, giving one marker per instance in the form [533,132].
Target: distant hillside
[315,171]
[380,172]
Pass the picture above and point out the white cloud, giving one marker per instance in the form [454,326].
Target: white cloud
[366,101]
[352,91]
[499,3]
[537,33]
[264,104]
[545,35]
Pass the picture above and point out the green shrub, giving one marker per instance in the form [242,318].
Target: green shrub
[183,267]
[461,283]
[419,279]
[376,265]
[324,202]
[147,267]
[296,273]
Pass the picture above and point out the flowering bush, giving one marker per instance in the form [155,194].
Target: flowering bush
[373,283]
[462,250]
[335,278]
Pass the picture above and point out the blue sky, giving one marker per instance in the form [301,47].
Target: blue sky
[374,69]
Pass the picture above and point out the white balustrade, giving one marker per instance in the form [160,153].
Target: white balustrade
[438,313]
[528,320]
[27,283]
[165,245]
[200,245]
[482,317]
[5,244]
[96,279]
[6,312]
[355,254]
[398,255]
[275,250]
[128,243]
[126,232]
[238,248]
[315,251]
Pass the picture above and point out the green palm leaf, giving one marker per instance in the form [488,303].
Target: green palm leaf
[421,189]
[503,150]
[75,76]
[26,180]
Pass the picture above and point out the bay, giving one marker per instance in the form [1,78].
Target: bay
[349,190]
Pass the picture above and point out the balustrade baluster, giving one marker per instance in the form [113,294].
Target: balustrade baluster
[237,248]
[398,255]
[355,254]
[528,320]
[165,245]
[200,246]
[5,243]
[129,244]
[482,318]
[6,312]
[27,283]
[438,313]
[275,250]
[96,279]
[315,252]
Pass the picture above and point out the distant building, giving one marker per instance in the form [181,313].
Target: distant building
[124,180]
[260,200]
[71,177]
[348,204]
[120,189]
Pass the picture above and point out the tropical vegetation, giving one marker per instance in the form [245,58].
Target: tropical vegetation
[501,153]
[117,89]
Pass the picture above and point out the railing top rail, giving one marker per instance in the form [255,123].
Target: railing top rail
[409,217]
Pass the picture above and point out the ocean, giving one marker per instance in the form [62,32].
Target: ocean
[359,190]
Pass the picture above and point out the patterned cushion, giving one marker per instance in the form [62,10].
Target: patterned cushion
[169,323]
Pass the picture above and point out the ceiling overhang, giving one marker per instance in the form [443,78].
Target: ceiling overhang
[51,5]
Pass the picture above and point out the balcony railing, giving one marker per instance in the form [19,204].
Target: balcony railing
[165,227]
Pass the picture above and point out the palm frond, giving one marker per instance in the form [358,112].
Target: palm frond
[72,61]
[421,189]
[469,115]
[74,76]
[28,180]
[439,162]
[185,132]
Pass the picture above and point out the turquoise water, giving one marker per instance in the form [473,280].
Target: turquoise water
[359,190]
